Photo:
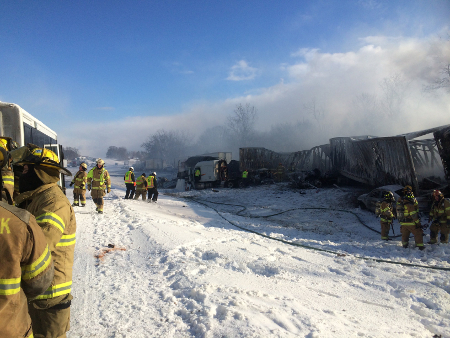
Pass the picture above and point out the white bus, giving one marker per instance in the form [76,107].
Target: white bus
[24,128]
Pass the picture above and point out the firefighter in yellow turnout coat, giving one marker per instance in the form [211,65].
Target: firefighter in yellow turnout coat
[98,180]
[386,215]
[7,173]
[79,190]
[42,197]
[440,217]
[408,216]
[141,187]
[26,268]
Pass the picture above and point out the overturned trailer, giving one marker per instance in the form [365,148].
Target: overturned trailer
[375,161]
[257,158]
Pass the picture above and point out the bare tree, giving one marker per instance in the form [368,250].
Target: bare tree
[118,153]
[443,81]
[71,153]
[212,140]
[169,146]
[316,111]
[393,89]
[441,76]
[369,116]
[242,125]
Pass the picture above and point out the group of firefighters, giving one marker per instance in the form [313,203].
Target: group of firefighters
[38,235]
[407,213]
[38,229]
[142,186]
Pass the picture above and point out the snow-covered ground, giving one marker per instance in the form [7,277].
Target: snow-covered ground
[189,269]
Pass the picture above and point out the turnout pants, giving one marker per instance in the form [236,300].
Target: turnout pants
[79,196]
[130,190]
[406,230]
[435,228]
[385,227]
[50,317]
[97,197]
[153,192]
[140,192]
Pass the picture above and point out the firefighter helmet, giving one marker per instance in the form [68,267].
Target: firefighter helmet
[409,196]
[388,196]
[406,189]
[131,168]
[4,143]
[100,161]
[42,157]
[153,174]
[7,143]
[438,194]
[4,155]
[83,165]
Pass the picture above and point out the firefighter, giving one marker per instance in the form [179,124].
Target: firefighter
[245,177]
[98,180]
[130,183]
[42,197]
[141,187]
[152,187]
[197,174]
[440,217]
[7,172]
[408,216]
[386,215]
[79,190]
[23,247]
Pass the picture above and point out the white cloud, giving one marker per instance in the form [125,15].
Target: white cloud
[336,82]
[242,71]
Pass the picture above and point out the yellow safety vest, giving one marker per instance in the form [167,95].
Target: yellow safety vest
[150,182]
[128,177]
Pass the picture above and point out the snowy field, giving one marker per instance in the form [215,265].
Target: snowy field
[190,269]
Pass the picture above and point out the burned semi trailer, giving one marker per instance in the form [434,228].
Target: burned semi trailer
[305,160]
[371,160]
[442,138]
[374,161]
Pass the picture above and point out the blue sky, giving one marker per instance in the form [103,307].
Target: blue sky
[120,64]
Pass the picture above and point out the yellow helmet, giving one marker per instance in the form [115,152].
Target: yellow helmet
[7,143]
[100,161]
[4,155]
[42,157]
[4,143]
[83,165]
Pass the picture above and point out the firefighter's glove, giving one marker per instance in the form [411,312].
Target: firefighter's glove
[71,183]
[108,190]
[89,187]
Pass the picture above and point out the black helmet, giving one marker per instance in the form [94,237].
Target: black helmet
[388,196]
[409,196]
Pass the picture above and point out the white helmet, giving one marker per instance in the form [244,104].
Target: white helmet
[100,161]
[131,168]
[153,173]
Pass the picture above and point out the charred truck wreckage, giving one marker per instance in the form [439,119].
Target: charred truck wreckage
[375,161]
[407,159]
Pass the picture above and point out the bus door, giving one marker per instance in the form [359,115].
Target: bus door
[57,149]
